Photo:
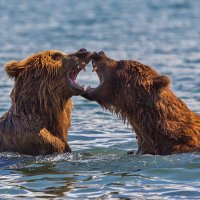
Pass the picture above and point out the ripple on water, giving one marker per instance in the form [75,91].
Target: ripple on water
[164,34]
[111,171]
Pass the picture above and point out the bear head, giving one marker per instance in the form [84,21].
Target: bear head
[46,80]
[123,81]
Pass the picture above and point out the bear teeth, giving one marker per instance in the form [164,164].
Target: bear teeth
[94,69]
[83,67]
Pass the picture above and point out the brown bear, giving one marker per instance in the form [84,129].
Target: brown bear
[39,118]
[162,122]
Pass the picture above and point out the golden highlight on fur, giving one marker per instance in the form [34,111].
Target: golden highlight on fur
[40,113]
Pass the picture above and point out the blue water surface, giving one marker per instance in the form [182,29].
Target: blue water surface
[163,34]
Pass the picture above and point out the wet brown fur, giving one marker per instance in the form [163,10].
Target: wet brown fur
[40,113]
[140,96]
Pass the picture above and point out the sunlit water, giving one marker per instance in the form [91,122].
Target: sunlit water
[163,34]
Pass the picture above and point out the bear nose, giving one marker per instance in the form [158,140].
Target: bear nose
[101,53]
[82,50]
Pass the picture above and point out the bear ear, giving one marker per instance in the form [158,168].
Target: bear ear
[160,82]
[13,68]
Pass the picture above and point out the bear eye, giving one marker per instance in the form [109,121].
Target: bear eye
[57,56]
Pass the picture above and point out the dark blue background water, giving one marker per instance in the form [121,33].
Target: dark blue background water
[164,34]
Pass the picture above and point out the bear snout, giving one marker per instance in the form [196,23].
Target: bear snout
[102,53]
[82,50]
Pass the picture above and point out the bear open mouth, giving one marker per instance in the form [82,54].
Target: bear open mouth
[90,89]
[74,73]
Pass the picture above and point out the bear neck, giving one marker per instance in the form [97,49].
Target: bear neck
[40,110]
[156,119]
